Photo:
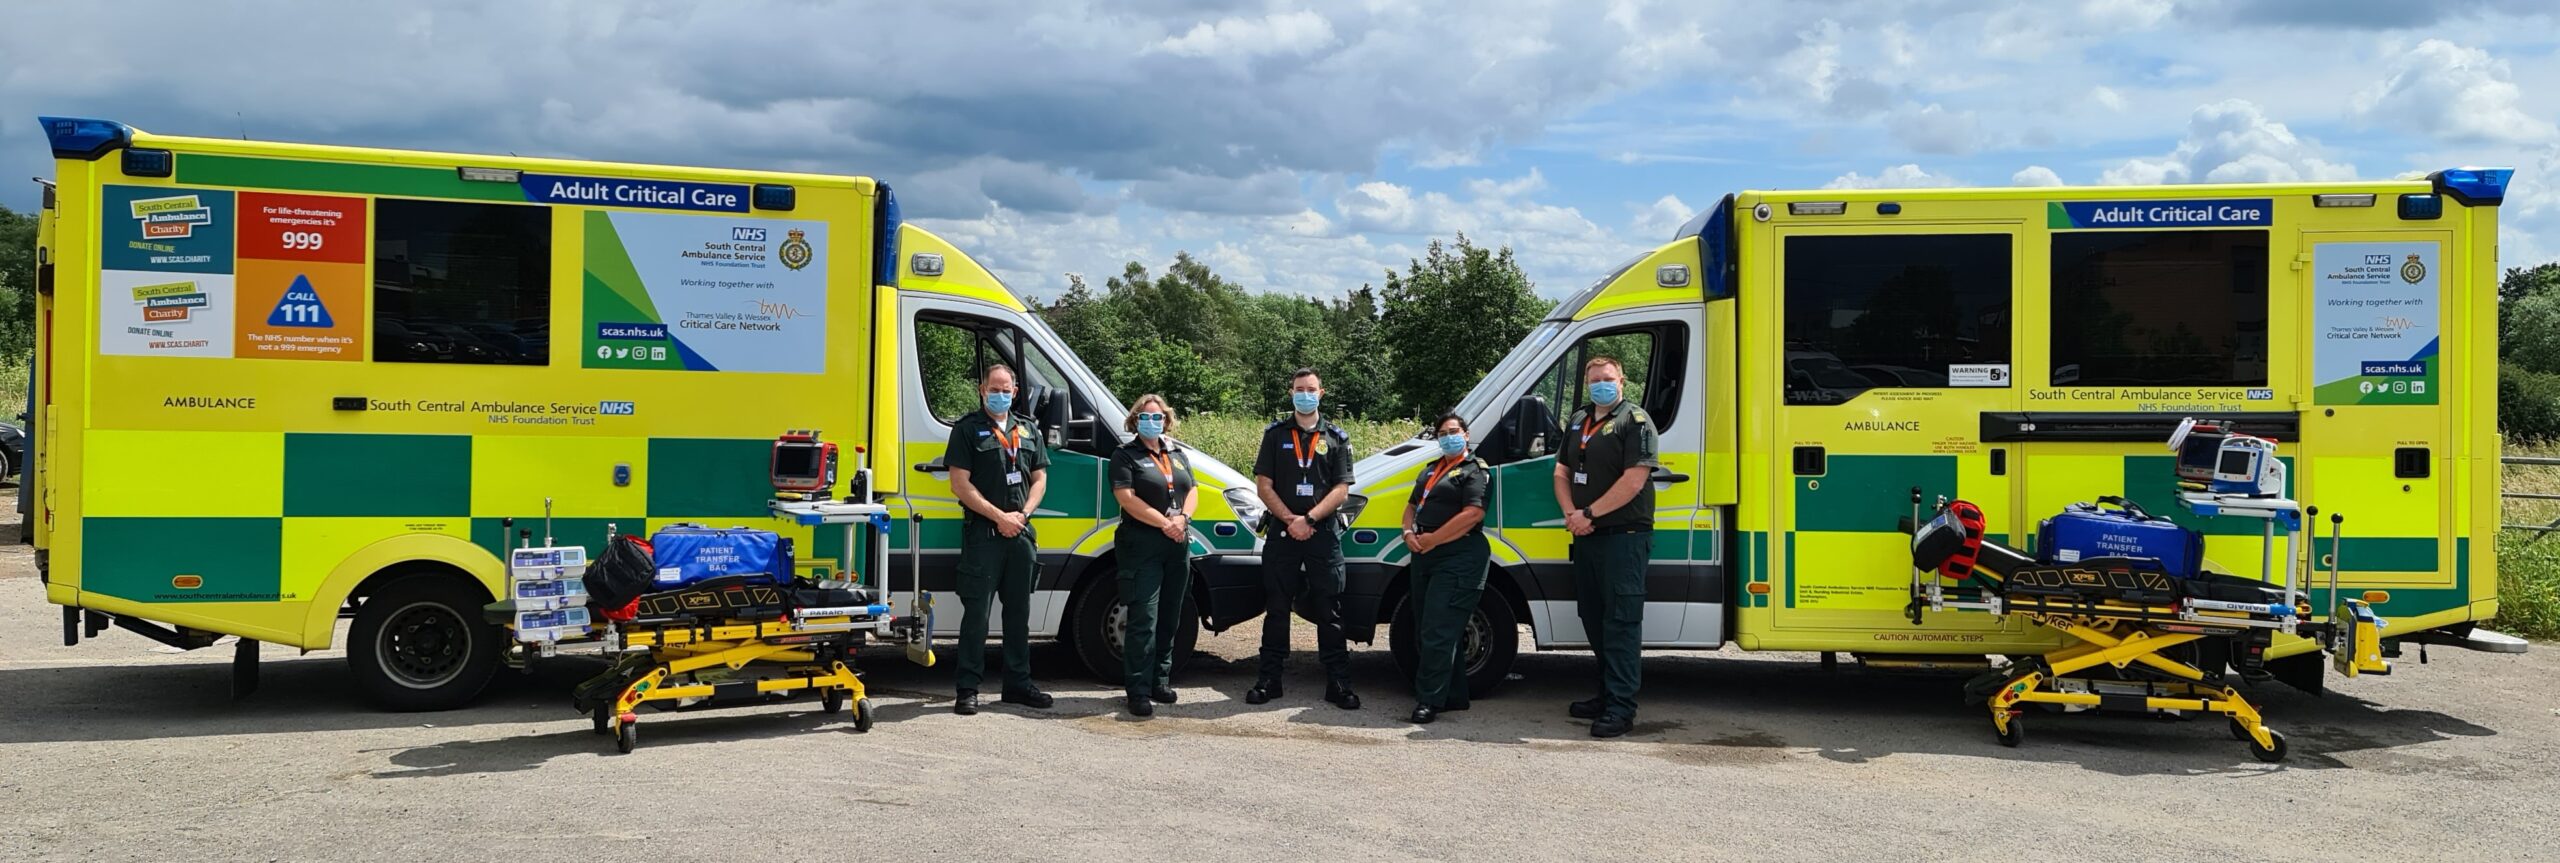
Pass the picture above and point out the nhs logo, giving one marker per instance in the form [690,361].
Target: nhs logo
[617,409]
[746,235]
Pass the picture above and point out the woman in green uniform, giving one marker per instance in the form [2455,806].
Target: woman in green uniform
[1151,477]
[1444,525]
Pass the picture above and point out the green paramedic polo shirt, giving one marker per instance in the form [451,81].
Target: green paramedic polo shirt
[1623,439]
[999,461]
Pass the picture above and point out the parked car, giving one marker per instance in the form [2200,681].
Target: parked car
[13,449]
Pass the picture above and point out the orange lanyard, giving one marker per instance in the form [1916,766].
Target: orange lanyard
[1164,463]
[1434,482]
[1012,439]
[1595,423]
[1306,454]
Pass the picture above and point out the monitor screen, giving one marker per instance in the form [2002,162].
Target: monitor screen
[800,460]
[2238,463]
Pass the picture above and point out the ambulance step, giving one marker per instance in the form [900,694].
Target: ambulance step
[2482,640]
[1924,662]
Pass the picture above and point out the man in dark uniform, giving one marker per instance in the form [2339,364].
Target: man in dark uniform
[998,471]
[1604,484]
[1303,474]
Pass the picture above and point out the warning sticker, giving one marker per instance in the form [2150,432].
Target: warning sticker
[1978,375]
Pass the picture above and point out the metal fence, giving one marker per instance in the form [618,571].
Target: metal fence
[2538,530]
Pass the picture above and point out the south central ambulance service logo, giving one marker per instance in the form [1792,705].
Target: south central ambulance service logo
[172,218]
[796,251]
[2413,271]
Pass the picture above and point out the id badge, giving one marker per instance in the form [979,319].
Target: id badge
[1014,478]
[1580,478]
[1306,489]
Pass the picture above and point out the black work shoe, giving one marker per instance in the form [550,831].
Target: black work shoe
[1140,706]
[966,704]
[1342,696]
[1612,726]
[1031,698]
[1586,709]
[1262,692]
[1423,716]
[1163,695]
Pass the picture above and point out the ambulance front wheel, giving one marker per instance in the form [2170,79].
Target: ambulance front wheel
[418,642]
[1486,646]
[1100,623]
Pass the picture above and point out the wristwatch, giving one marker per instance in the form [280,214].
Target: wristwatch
[1586,514]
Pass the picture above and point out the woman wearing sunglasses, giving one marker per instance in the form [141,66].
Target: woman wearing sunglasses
[1444,526]
[1151,477]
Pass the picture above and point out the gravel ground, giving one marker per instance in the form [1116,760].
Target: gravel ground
[122,750]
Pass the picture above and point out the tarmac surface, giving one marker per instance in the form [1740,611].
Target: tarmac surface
[120,749]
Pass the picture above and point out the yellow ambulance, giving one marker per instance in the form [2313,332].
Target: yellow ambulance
[1813,357]
[280,386]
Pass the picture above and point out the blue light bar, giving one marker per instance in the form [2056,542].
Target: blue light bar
[84,139]
[2478,187]
[884,241]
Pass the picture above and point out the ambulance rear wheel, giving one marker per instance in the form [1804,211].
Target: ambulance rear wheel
[832,701]
[627,737]
[862,716]
[2268,754]
[418,643]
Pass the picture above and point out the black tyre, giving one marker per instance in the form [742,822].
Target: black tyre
[419,644]
[2268,754]
[832,701]
[1486,648]
[1099,623]
[2013,735]
[2240,732]
[862,716]
[604,720]
[627,737]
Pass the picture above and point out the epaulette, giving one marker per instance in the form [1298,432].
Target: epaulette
[1339,436]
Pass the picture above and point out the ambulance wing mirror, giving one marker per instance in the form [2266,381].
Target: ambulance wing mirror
[1528,430]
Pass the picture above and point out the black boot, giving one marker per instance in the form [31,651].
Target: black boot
[1163,695]
[1262,692]
[1032,698]
[1140,706]
[1612,726]
[966,704]
[1341,695]
[1587,709]
[1423,716]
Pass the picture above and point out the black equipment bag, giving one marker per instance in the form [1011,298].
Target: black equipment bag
[621,574]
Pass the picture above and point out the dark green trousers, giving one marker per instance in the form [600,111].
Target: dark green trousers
[993,567]
[1608,588]
[1154,572]
[1447,582]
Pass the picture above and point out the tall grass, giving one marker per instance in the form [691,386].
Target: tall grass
[13,387]
[1232,438]
[2529,561]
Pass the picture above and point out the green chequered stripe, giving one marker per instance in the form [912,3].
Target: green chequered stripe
[1528,493]
[1075,485]
[710,477]
[344,177]
[1870,493]
[401,476]
[240,559]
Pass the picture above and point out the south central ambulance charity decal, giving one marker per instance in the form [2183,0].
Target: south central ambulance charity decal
[165,282]
[2375,324]
[704,293]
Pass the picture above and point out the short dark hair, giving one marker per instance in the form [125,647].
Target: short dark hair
[1444,420]
[990,373]
[1302,372]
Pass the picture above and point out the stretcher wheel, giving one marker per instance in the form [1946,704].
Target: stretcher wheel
[604,721]
[832,701]
[2013,735]
[2240,732]
[862,716]
[626,737]
[2270,754]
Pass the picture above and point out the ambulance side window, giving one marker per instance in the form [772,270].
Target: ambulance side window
[1895,311]
[948,358]
[461,283]
[1652,355]
[2160,308]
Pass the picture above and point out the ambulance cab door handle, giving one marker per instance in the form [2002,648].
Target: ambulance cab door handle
[1999,461]
[934,466]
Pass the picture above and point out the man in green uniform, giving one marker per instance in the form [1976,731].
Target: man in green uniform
[1604,484]
[998,471]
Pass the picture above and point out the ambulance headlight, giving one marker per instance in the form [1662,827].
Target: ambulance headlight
[1247,507]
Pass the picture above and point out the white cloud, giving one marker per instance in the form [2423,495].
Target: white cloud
[2107,98]
[2452,93]
[2035,175]
[1896,177]
[2126,15]
[1935,130]
[1293,33]
[2231,141]
[1657,221]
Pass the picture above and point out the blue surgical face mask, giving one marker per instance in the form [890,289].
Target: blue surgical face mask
[1151,425]
[1305,402]
[999,402]
[1604,393]
[1452,443]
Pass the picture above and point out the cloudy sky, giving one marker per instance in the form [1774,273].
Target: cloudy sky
[1307,146]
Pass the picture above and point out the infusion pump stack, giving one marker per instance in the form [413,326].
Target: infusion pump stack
[2215,459]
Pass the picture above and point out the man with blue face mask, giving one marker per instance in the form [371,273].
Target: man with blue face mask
[1303,474]
[998,472]
[1604,484]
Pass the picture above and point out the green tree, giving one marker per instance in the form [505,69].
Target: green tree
[1449,317]
[1087,321]
[1178,373]
[17,285]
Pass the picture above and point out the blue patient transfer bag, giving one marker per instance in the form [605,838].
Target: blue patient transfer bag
[2084,531]
[689,554]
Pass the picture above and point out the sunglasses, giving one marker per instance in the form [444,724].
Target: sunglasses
[1152,416]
